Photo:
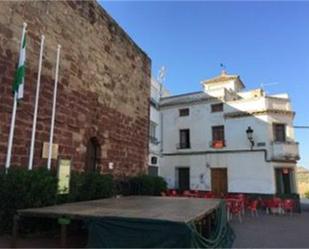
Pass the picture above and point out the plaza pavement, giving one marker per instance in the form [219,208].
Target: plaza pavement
[273,231]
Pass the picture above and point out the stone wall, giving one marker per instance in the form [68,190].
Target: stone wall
[103,91]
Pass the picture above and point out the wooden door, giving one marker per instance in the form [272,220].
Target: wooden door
[184,178]
[92,155]
[219,180]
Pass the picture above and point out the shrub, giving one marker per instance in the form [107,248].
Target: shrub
[89,186]
[147,185]
[21,189]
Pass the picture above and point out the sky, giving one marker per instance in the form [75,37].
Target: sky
[263,42]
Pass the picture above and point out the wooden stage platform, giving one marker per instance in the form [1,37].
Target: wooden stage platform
[178,209]
[175,209]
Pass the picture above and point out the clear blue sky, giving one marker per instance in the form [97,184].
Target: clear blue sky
[263,42]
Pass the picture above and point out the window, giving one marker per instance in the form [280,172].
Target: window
[217,107]
[184,139]
[279,132]
[218,136]
[154,160]
[184,112]
[152,132]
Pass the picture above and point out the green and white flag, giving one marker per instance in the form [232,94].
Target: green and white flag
[19,79]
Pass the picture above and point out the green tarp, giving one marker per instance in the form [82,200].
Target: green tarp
[115,232]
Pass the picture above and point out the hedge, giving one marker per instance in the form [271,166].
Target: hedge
[89,186]
[21,188]
[147,185]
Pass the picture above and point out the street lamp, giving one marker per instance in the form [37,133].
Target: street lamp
[249,132]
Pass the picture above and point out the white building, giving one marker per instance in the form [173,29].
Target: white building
[206,142]
[155,138]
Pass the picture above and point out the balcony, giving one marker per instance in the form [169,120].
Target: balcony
[217,144]
[286,151]
[154,140]
[181,146]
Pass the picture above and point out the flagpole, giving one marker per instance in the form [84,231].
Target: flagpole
[54,110]
[12,127]
[36,105]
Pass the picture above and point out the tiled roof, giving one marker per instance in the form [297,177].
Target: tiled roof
[185,98]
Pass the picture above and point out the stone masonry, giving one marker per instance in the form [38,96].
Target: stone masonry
[103,91]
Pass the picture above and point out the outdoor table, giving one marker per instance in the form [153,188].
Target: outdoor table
[274,206]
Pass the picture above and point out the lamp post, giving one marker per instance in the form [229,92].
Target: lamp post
[249,132]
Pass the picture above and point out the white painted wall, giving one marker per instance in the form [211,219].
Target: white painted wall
[157,90]
[247,172]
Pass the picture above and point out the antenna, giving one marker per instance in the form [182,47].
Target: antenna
[161,75]
[161,78]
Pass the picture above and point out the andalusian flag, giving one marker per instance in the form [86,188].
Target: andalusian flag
[18,85]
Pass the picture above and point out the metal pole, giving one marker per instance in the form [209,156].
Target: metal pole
[36,105]
[54,110]
[12,127]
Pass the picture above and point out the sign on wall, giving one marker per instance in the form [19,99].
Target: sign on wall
[54,150]
[64,173]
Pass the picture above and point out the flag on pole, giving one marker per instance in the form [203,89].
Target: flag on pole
[18,89]
[18,85]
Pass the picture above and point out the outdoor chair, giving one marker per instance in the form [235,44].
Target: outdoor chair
[273,204]
[253,207]
[209,195]
[242,199]
[234,208]
[171,192]
[187,193]
[288,206]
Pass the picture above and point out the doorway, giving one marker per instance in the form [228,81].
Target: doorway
[92,155]
[219,180]
[284,180]
[183,178]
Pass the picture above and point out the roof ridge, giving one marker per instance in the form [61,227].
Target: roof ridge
[180,95]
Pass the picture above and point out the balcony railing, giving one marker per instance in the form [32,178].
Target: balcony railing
[285,151]
[217,144]
[183,146]
[154,140]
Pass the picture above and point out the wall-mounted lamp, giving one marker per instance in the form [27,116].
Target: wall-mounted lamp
[249,132]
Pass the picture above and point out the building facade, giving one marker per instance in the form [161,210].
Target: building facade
[227,139]
[102,112]
[155,127]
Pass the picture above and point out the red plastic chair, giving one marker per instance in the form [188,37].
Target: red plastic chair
[242,199]
[234,208]
[172,192]
[273,203]
[187,193]
[209,195]
[288,205]
[253,207]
